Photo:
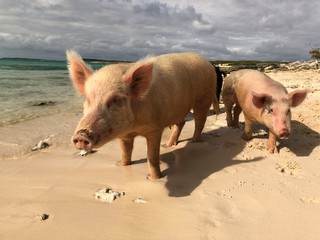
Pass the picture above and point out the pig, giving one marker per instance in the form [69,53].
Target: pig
[262,100]
[126,100]
[220,76]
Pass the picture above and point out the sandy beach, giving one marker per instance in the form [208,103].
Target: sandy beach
[221,188]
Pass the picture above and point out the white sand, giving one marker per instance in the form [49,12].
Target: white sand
[221,188]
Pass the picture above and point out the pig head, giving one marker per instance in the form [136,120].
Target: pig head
[107,108]
[276,111]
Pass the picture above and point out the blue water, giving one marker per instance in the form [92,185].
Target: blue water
[30,88]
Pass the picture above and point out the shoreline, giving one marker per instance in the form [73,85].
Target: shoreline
[16,140]
[220,188]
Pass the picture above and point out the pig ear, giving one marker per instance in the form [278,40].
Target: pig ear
[79,71]
[259,100]
[297,97]
[140,80]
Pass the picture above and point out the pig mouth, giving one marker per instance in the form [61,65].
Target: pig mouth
[284,135]
[84,139]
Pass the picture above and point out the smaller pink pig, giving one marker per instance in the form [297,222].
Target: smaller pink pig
[126,100]
[262,100]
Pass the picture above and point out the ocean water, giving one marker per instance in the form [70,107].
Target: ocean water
[30,88]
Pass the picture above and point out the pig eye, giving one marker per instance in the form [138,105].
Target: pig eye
[115,101]
[270,111]
[288,112]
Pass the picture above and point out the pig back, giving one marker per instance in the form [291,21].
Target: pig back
[179,81]
[249,81]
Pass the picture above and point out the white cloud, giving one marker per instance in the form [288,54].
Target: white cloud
[203,26]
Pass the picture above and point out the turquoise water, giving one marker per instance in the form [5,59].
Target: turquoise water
[30,88]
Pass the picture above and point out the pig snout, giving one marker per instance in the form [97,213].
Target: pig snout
[282,128]
[84,139]
[284,134]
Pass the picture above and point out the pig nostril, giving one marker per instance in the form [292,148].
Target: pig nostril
[76,141]
[285,135]
[83,139]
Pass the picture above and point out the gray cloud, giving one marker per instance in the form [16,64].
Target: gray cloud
[131,29]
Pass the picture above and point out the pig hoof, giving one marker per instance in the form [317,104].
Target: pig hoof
[230,124]
[154,178]
[122,163]
[164,145]
[246,137]
[171,143]
[273,150]
[195,140]
[167,145]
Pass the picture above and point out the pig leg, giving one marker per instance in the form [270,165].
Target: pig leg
[228,107]
[236,112]
[247,130]
[175,134]
[200,117]
[126,147]
[271,145]
[153,145]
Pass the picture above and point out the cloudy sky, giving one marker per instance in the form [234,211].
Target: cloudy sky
[284,30]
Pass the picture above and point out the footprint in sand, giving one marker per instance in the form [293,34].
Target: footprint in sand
[231,171]
[310,200]
[244,185]
[289,167]
[225,193]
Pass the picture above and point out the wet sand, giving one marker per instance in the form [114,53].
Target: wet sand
[220,188]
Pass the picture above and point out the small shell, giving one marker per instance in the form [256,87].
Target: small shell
[85,152]
[42,217]
[139,200]
[41,145]
[108,195]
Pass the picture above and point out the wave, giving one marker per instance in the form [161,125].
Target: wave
[31,64]
[21,64]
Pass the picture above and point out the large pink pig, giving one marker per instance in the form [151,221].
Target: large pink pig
[142,98]
[262,100]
